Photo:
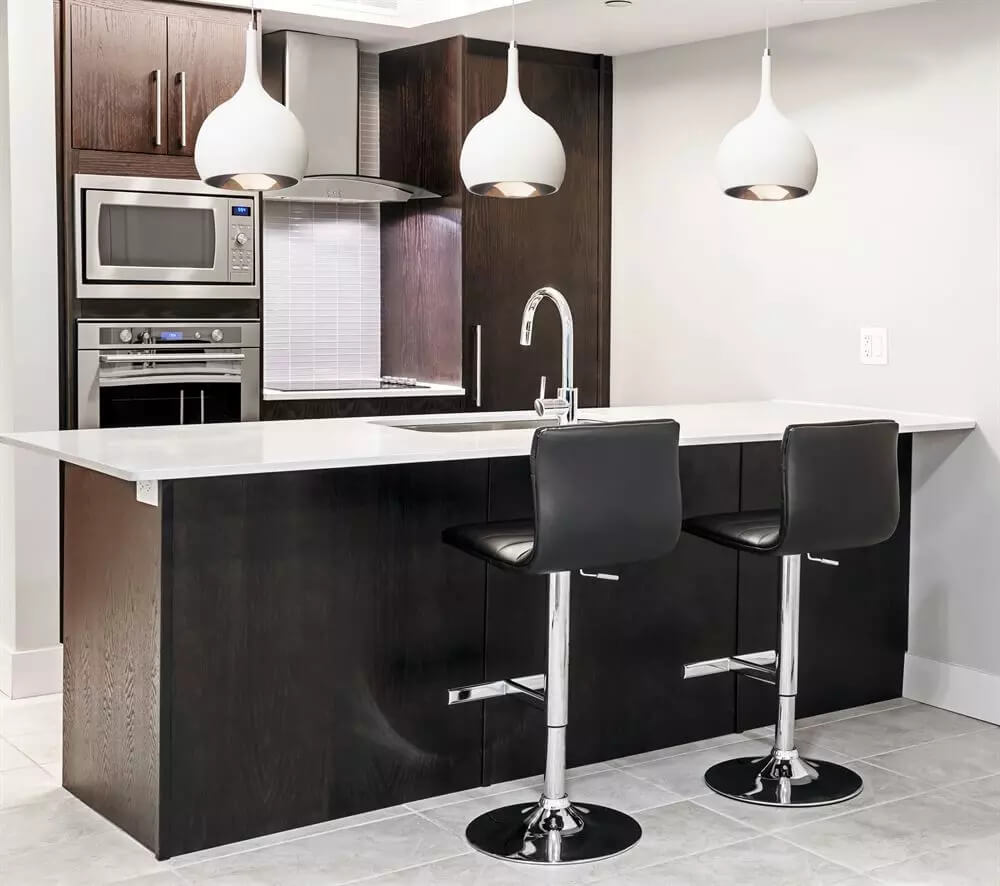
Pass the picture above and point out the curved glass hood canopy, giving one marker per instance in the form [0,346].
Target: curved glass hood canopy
[316,77]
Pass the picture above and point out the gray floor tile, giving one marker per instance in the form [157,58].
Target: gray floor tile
[685,774]
[162,878]
[19,787]
[42,747]
[12,758]
[974,864]
[894,832]
[845,714]
[109,857]
[476,869]
[44,824]
[323,827]
[983,790]
[764,861]
[333,858]
[890,730]
[31,715]
[455,817]
[703,744]
[620,790]
[948,760]
[881,786]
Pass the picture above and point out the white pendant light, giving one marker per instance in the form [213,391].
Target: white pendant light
[513,152]
[766,156]
[251,142]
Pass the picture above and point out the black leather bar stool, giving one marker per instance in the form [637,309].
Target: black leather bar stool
[604,494]
[839,490]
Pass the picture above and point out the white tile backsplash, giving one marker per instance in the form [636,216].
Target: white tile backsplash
[322,280]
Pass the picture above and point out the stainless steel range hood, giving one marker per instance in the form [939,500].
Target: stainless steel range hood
[317,78]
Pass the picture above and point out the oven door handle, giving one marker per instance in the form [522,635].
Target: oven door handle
[133,379]
[207,357]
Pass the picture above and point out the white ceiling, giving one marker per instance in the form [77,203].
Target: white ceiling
[583,25]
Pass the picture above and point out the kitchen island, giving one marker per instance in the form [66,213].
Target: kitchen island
[261,624]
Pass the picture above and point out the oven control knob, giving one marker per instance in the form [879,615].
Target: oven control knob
[216,335]
[241,239]
[125,336]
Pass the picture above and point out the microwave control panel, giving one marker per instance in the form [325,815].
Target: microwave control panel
[242,226]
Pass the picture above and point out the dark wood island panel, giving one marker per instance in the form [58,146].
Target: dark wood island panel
[264,652]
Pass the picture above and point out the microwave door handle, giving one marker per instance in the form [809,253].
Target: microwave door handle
[139,378]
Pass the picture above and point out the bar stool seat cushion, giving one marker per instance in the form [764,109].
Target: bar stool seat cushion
[756,531]
[506,543]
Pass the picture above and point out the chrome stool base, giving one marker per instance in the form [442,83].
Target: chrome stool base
[540,834]
[769,781]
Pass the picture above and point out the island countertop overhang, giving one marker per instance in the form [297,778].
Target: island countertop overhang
[189,451]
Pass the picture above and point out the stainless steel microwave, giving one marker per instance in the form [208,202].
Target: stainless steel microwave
[165,238]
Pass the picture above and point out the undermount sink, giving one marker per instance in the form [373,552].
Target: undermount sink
[464,427]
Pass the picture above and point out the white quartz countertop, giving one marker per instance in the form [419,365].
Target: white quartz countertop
[424,389]
[213,450]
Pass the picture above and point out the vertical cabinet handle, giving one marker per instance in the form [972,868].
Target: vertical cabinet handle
[158,137]
[182,82]
[182,407]
[203,407]
[479,365]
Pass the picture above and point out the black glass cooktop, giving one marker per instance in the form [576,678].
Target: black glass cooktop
[346,384]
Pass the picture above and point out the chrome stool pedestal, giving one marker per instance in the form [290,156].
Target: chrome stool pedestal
[554,830]
[783,778]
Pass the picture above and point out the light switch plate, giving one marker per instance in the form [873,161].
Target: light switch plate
[874,346]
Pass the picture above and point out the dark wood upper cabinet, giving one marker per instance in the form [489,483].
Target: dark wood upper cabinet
[206,62]
[126,58]
[116,54]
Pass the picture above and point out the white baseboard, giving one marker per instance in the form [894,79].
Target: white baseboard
[28,672]
[952,687]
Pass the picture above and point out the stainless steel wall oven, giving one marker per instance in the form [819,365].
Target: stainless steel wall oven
[138,373]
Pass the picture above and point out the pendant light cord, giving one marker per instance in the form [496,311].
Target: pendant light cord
[767,27]
[513,22]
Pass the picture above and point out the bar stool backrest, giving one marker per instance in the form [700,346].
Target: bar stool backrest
[840,486]
[605,494]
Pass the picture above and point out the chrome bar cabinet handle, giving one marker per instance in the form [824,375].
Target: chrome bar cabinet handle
[182,82]
[479,365]
[158,139]
[182,407]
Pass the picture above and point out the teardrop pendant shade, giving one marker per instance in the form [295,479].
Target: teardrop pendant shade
[767,157]
[513,152]
[251,142]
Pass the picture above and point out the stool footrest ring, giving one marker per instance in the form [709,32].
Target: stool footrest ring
[760,666]
[530,689]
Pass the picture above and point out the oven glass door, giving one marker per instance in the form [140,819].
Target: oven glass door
[144,390]
[140,237]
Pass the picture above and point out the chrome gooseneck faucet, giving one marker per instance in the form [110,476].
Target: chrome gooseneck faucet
[565,402]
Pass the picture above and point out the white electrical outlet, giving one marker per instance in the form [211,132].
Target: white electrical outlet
[874,346]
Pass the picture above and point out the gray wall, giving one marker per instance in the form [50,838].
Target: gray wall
[717,299]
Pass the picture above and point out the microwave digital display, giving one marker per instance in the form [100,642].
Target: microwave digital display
[171,335]
[241,210]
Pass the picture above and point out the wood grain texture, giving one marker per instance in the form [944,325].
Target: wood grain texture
[512,247]
[111,652]
[853,622]
[212,55]
[281,410]
[114,53]
[629,639]
[142,165]
[318,621]
[420,97]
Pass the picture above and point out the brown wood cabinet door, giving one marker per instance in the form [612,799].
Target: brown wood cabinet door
[115,56]
[206,61]
[513,247]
